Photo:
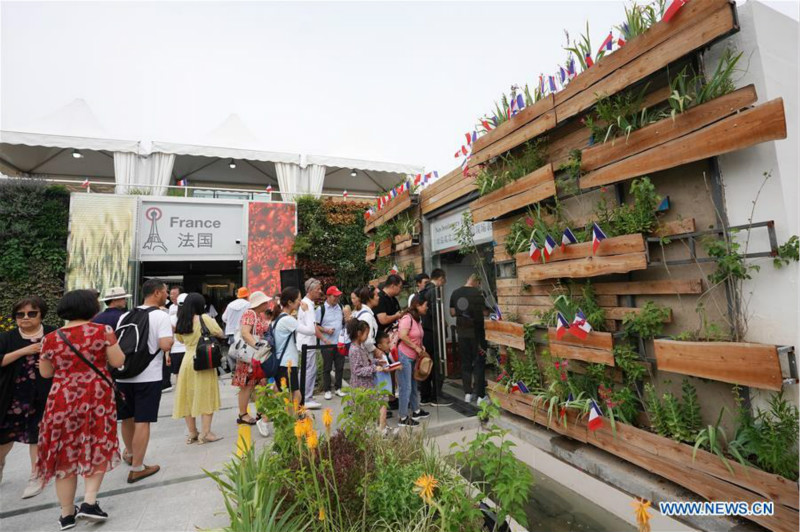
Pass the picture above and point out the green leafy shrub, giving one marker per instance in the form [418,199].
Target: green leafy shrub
[620,115]
[731,266]
[647,323]
[788,252]
[627,360]
[655,411]
[512,166]
[628,219]
[671,417]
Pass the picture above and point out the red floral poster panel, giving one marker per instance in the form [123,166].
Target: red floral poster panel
[269,250]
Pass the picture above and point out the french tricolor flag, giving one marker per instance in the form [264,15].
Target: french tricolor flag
[673,9]
[571,67]
[344,194]
[269,189]
[567,238]
[620,41]
[85,183]
[549,246]
[394,270]
[562,326]
[552,81]
[595,417]
[486,125]
[182,182]
[597,236]
[469,139]
[562,74]
[521,387]
[589,62]
[520,102]
[535,252]
[607,43]
[580,328]
[541,84]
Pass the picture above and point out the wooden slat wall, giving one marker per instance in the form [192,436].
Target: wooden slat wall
[595,349]
[754,126]
[747,364]
[617,245]
[534,187]
[505,333]
[448,188]
[667,129]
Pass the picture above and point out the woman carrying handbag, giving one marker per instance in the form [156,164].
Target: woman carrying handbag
[197,393]
[410,349]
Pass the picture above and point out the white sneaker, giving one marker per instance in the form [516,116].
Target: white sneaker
[167,390]
[312,405]
[340,393]
[33,489]
[468,398]
[328,396]
[482,400]
[263,427]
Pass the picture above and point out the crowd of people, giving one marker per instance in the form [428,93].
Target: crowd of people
[64,391]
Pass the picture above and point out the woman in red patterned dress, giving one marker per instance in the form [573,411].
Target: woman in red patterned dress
[254,325]
[78,434]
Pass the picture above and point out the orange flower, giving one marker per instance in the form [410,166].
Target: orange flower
[425,486]
[300,429]
[283,382]
[322,514]
[640,509]
[327,419]
[312,440]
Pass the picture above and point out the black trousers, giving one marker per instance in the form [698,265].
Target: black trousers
[431,388]
[331,359]
[473,367]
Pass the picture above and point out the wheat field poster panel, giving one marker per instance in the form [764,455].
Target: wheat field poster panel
[101,233]
[272,228]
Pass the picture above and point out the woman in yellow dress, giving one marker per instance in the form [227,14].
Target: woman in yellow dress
[197,393]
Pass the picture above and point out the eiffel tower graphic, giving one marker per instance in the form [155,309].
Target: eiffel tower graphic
[153,239]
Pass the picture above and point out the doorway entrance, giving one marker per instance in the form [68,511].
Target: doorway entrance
[217,280]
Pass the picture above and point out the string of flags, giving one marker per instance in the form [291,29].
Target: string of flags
[407,185]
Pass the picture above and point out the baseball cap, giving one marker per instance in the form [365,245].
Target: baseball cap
[333,291]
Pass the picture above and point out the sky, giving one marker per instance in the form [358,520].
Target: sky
[386,81]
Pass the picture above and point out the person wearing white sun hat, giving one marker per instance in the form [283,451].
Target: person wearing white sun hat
[254,324]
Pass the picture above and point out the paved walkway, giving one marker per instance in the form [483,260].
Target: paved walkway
[180,497]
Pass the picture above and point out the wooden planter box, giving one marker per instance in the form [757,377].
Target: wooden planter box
[756,125]
[705,475]
[385,248]
[619,254]
[505,333]
[404,241]
[742,363]
[536,186]
[400,203]
[372,251]
[595,349]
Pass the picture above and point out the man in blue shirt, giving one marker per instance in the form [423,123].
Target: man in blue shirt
[116,301]
[330,317]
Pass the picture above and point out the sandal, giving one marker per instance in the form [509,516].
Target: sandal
[192,438]
[127,458]
[241,421]
[209,437]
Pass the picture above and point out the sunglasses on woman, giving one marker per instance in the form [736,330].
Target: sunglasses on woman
[23,315]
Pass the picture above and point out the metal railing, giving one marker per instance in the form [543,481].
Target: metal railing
[103,187]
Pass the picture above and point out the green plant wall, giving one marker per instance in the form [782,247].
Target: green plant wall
[33,235]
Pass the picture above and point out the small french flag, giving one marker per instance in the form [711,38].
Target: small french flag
[394,269]
[562,326]
[541,84]
[515,387]
[457,155]
[464,150]
[549,246]
[582,326]
[435,175]
[620,41]
[597,236]
[486,125]
[589,62]
[520,102]
[571,67]
[522,388]
[469,139]
[552,81]
[595,417]
[85,183]
[673,9]
[498,313]
[269,189]
[344,194]
[567,238]
[182,182]
[562,74]
[607,43]
[535,252]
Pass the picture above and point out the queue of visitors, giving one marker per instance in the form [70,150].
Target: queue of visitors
[63,391]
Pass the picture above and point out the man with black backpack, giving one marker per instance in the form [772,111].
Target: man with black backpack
[144,334]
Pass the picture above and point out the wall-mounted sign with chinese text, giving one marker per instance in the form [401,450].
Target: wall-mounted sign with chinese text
[180,230]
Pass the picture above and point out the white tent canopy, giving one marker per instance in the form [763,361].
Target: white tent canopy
[46,148]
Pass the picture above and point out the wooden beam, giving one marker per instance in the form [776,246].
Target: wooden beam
[587,354]
[748,364]
[665,287]
[617,245]
[587,267]
[595,340]
[529,131]
[517,121]
[600,155]
[534,187]
[396,206]
[681,41]
[676,227]
[754,126]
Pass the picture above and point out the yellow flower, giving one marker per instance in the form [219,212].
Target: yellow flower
[322,514]
[286,401]
[300,428]
[283,382]
[311,440]
[327,418]
[425,486]
[640,509]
